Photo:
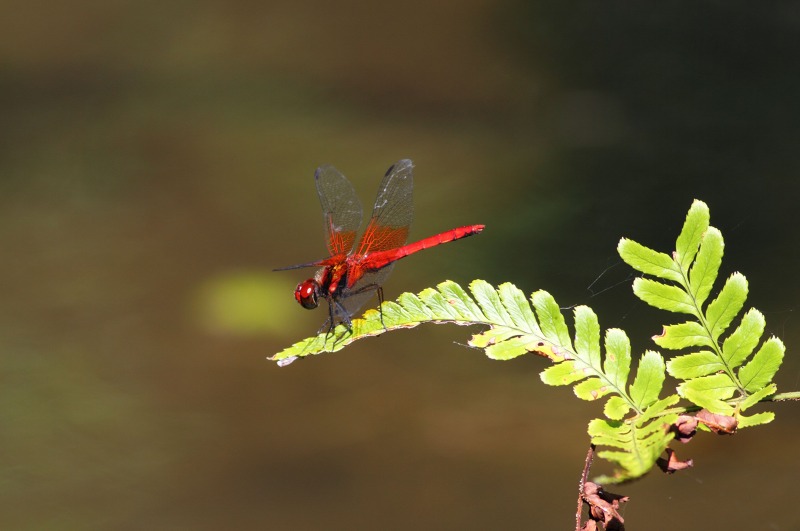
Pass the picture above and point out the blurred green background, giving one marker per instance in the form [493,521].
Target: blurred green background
[156,162]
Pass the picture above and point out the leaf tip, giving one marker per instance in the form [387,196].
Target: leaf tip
[700,205]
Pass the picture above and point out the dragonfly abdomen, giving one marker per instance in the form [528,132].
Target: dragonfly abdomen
[380,259]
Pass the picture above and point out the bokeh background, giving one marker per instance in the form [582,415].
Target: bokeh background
[156,162]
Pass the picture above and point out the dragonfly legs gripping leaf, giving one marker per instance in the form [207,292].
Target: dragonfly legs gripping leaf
[372,287]
[338,311]
[380,306]
[335,309]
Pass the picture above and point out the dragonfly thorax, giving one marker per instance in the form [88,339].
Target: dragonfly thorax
[307,294]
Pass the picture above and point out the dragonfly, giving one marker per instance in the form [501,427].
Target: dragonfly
[354,271]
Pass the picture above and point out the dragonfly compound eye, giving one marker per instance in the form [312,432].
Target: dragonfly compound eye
[306,294]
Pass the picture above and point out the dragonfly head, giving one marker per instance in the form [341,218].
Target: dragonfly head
[307,294]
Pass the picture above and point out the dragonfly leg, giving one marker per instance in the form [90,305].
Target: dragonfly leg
[326,324]
[372,287]
[344,317]
[330,323]
[380,305]
[335,310]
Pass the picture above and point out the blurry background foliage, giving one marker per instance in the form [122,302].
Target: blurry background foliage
[156,161]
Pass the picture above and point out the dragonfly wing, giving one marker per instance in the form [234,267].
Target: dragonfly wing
[393,211]
[341,209]
[387,229]
[353,299]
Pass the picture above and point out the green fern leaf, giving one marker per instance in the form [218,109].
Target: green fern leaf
[493,336]
[617,364]
[649,380]
[415,305]
[758,372]
[730,301]
[658,407]
[641,442]
[691,235]
[519,332]
[694,365]
[757,397]
[664,296]
[514,347]
[648,261]
[704,270]
[707,401]
[719,386]
[587,337]
[564,373]
[459,300]
[393,313]
[612,433]
[515,301]
[592,389]
[616,408]
[741,343]
[765,417]
[683,335]
[437,302]
[551,322]
[710,392]
[489,300]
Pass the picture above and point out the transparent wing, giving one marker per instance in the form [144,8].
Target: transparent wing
[393,211]
[353,299]
[341,209]
[387,229]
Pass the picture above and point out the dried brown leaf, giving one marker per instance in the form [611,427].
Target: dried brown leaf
[672,464]
[684,428]
[720,424]
[604,506]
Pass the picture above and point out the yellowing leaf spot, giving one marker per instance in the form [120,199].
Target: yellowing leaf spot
[545,350]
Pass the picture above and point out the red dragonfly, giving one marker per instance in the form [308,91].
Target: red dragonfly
[353,273]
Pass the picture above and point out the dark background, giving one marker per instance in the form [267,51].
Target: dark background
[156,162]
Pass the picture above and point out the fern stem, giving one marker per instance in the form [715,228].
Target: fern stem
[778,397]
[714,343]
[783,397]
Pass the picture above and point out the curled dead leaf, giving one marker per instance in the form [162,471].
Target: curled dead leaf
[684,428]
[672,464]
[590,525]
[603,506]
[720,424]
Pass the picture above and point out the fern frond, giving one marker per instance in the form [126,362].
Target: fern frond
[517,326]
[514,328]
[447,304]
[717,374]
